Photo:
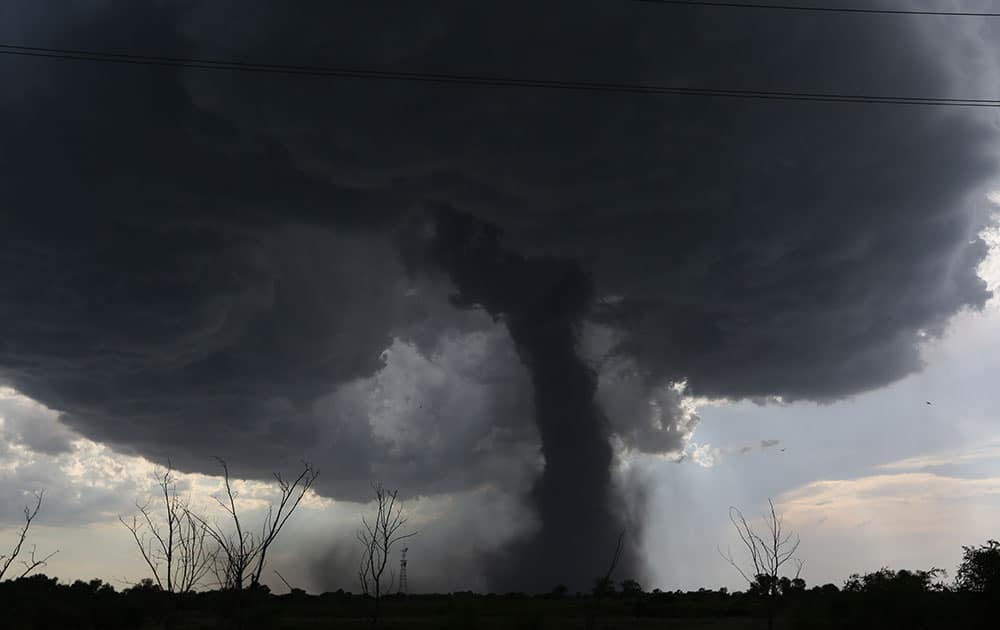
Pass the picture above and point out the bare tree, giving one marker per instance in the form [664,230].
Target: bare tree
[242,552]
[175,548]
[33,562]
[768,554]
[377,538]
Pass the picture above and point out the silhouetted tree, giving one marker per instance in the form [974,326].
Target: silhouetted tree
[95,586]
[902,582]
[145,585]
[603,587]
[980,568]
[242,553]
[631,588]
[174,547]
[788,586]
[769,553]
[33,562]
[377,538]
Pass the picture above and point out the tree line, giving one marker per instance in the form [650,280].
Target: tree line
[185,550]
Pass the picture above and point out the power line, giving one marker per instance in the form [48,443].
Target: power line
[480,80]
[791,7]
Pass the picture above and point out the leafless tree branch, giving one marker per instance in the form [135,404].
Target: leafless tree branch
[377,537]
[242,553]
[33,563]
[30,513]
[768,553]
[173,546]
[290,587]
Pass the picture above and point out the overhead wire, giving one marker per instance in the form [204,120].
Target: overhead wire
[354,72]
[724,4]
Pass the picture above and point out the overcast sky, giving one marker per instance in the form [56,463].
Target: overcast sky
[544,315]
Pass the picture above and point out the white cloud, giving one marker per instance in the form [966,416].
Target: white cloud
[704,455]
[989,269]
[952,457]
[896,505]
[903,520]
[27,423]
[707,456]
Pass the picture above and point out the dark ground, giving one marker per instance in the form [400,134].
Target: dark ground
[40,602]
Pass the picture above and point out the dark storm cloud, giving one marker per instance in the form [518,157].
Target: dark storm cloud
[196,263]
[746,239]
